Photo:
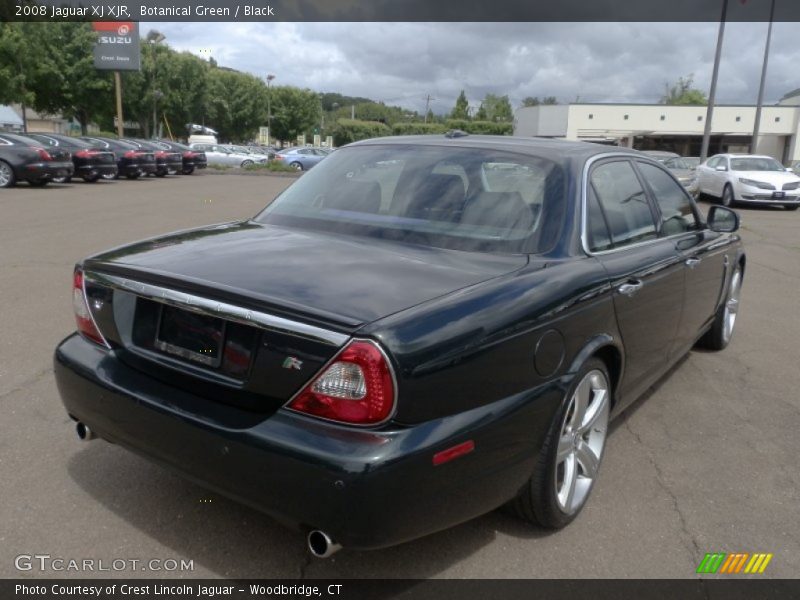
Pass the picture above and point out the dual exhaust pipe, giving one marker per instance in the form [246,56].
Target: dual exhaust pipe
[320,544]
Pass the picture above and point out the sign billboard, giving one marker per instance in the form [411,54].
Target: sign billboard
[117,47]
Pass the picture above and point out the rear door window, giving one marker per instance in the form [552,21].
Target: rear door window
[624,203]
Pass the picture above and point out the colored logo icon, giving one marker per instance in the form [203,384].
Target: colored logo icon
[734,563]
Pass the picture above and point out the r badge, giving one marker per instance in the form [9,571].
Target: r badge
[292,363]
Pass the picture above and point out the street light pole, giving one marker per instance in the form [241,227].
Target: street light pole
[270,77]
[713,91]
[757,124]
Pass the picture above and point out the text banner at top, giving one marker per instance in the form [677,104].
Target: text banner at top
[400,10]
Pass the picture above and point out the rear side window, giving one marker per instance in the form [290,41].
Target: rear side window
[624,203]
[677,215]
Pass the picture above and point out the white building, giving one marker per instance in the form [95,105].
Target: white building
[675,128]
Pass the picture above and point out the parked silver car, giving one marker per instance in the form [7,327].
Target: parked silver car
[681,169]
[218,154]
[252,152]
[749,178]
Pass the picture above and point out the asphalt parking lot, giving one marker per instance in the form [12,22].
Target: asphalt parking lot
[707,462]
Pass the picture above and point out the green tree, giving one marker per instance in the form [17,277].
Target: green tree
[294,111]
[23,65]
[531,101]
[461,109]
[496,108]
[237,104]
[682,93]
[69,83]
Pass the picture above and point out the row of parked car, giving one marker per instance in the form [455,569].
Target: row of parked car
[299,158]
[736,178]
[40,158]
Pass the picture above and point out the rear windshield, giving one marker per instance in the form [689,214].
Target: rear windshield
[461,198]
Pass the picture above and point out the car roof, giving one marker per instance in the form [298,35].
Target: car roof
[662,153]
[522,145]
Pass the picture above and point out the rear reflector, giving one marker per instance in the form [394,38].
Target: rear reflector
[452,453]
[357,387]
[83,316]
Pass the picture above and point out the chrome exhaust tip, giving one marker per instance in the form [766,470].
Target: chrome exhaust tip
[84,433]
[321,545]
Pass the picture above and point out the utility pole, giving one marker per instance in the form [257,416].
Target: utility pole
[757,124]
[353,112]
[270,77]
[428,99]
[155,40]
[713,91]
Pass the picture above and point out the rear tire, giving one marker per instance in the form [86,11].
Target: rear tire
[38,182]
[110,176]
[7,178]
[132,176]
[246,163]
[188,171]
[66,179]
[568,463]
[719,336]
[296,166]
[791,207]
[91,178]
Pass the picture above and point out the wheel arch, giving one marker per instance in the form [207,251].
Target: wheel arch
[606,348]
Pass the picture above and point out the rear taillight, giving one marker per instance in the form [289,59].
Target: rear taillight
[357,387]
[83,316]
[43,154]
[161,154]
[86,153]
[133,154]
[278,157]
[188,155]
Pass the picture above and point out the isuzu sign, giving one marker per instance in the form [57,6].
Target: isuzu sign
[117,47]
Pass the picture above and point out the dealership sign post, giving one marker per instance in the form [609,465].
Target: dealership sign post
[117,49]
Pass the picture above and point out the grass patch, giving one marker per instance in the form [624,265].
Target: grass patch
[219,167]
[273,166]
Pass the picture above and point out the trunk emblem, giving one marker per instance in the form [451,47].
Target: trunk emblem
[292,363]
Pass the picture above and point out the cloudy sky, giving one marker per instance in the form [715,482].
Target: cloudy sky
[401,63]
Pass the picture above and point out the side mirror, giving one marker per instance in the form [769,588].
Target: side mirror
[721,168]
[722,219]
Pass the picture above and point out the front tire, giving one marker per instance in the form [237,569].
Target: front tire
[570,457]
[7,178]
[719,336]
[791,206]
[727,196]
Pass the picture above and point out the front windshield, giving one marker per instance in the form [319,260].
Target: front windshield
[469,199]
[755,163]
[676,163]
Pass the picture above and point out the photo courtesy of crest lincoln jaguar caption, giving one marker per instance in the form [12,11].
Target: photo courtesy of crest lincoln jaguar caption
[418,331]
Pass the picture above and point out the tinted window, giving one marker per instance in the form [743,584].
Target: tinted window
[465,198]
[624,203]
[597,230]
[713,162]
[756,163]
[677,215]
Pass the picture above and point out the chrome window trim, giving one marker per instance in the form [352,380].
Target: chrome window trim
[221,310]
[585,212]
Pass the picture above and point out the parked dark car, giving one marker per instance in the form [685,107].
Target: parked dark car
[25,159]
[132,161]
[167,161]
[191,159]
[90,163]
[420,330]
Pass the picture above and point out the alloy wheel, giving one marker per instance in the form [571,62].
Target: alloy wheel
[727,196]
[581,441]
[6,176]
[732,305]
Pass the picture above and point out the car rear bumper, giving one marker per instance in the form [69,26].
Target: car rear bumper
[365,488]
[46,170]
[96,169]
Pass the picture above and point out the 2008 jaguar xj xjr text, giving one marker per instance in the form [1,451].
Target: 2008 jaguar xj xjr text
[414,333]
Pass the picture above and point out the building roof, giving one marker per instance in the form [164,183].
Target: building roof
[9,117]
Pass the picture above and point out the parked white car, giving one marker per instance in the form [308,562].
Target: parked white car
[748,178]
[217,154]
[257,156]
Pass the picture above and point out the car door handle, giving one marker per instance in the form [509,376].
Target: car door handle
[630,287]
[692,262]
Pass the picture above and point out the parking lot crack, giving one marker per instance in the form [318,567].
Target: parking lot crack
[28,382]
[694,548]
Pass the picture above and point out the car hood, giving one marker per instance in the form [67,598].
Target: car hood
[773,177]
[345,280]
[683,173]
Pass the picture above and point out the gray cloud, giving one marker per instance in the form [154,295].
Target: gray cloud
[401,63]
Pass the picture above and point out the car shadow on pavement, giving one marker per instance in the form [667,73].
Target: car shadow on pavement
[231,540]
